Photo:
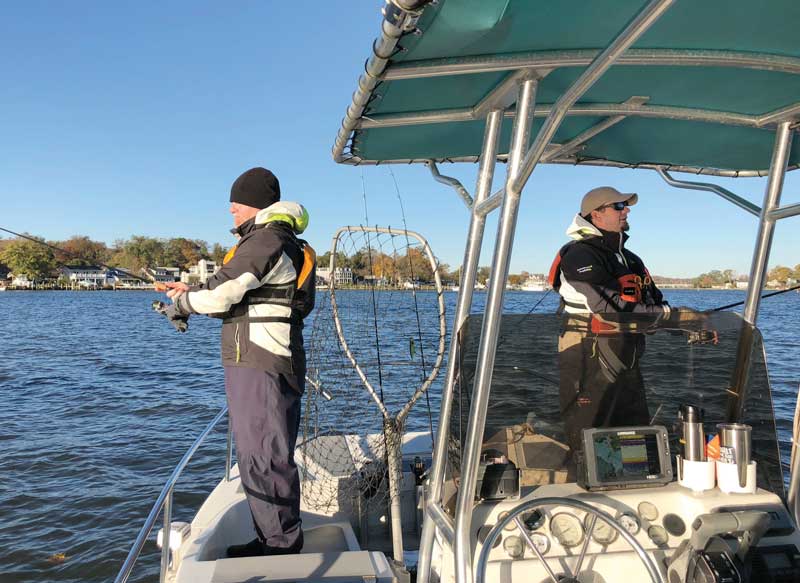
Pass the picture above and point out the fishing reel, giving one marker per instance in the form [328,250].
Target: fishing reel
[179,321]
[702,337]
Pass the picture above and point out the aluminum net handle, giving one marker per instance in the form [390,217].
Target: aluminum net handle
[340,331]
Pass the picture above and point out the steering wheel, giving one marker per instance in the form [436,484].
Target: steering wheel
[568,577]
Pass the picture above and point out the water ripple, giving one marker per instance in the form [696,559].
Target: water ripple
[102,398]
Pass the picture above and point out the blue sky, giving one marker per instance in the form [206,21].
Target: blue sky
[122,119]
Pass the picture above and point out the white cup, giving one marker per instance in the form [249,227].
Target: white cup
[696,475]
[728,478]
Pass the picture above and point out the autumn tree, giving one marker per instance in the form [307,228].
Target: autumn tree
[715,278]
[182,252]
[415,265]
[28,258]
[483,275]
[455,275]
[780,274]
[81,250]
[218,253]
[138,252]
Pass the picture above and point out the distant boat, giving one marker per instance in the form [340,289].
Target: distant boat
[537,287]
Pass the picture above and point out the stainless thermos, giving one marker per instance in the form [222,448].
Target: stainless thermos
[734,447]
[690,421]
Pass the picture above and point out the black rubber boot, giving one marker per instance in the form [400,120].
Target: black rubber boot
[292,550]
[255,548]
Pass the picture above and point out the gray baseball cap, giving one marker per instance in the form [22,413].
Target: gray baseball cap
[604,195]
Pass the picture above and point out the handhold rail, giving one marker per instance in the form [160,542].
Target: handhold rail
[164,500]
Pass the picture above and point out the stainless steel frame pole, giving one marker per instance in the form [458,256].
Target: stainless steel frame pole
[167,528]
[635,29]
[469,271]
[491,326]
[758,271]
[772,200]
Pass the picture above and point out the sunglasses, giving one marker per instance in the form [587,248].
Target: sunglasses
[617,206]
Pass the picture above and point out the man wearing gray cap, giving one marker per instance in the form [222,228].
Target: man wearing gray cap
[263,292]
[595,273]
[600,384]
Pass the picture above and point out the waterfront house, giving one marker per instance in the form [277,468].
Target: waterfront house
[84,276]
[199,273]
[162,274]
[20,281]
[535,282]
[122,277]
[341,275]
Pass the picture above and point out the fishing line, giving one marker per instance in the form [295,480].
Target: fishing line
[769,295]
[75,256]
[414,295]
[375,322]
[372,288]
[539,302]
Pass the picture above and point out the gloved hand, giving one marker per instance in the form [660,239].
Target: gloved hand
[697,326]
[175,317]
[703,337]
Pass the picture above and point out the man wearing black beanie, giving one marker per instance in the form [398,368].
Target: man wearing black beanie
[263,292]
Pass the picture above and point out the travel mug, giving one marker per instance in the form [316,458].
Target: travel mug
[734,447]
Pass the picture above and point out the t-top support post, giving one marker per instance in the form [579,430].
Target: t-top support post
[766,227]
[491,325]
[469,270]
[758,270]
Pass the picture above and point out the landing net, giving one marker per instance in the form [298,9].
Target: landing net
[376,345]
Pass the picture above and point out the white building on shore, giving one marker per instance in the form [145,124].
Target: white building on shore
[85,276]
[341,276]
[200,273]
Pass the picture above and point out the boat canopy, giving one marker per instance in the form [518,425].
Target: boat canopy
[702,90]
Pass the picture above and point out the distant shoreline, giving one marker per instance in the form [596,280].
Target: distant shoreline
[357,288]
[61,289]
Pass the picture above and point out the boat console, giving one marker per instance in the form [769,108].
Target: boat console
[622,502]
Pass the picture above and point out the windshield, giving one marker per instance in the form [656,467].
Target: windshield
[555,375]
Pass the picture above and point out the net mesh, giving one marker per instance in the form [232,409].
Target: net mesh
[389,310]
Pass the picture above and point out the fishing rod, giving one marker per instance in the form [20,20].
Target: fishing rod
[769,295]
[76,256]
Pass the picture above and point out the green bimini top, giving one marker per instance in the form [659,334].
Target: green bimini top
[701,90]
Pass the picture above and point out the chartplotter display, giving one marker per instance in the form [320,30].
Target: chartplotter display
[625,457]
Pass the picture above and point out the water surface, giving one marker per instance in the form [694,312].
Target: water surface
[101,398]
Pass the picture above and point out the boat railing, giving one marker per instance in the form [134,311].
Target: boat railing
[164,502]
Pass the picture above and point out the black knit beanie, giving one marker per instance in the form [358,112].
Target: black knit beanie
[258,188]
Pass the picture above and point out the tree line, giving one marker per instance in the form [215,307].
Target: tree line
[37,261]
[394,268]
[728,277]
[411,265]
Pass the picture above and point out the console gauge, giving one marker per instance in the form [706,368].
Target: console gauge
[648,511]
[603,533]
[630,523]
[567,529]
[541,542]
[658,535]
[534,520]
[511,525]
[513,546]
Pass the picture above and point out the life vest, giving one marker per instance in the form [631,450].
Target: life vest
[569,304]
[297,294]
[632,287]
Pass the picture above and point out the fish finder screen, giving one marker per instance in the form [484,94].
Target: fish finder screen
[626,457]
